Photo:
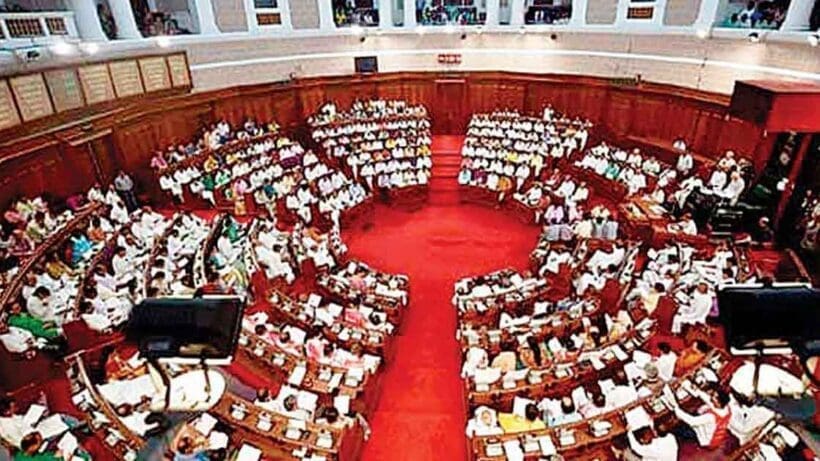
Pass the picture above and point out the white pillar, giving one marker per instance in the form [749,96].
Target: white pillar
[124,19]
[87,21]
[578,16]
[493,7]
[797,17]
[284,13]
[410,13]
[203,11]
[706,14]
[517,12]
[326,15]
[385,14]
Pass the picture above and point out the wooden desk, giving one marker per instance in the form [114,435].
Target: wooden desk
[274,443]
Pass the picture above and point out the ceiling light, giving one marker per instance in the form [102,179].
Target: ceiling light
[754,37]
[522,30]
[89,48]
[479,30]
[553,37]
[813,39]
[163,41]
[702,33]
[464,35]
[62,48]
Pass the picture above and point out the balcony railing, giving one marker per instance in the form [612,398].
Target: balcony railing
[28,26]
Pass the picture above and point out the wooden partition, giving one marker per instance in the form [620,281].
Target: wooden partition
[64,156]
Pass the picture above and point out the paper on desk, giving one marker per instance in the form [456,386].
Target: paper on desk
[34,413]
[67,445]
[637,418]
[335,380]
[342,403]
[51,427]
[217,441]
[314,300]
[334,309]
[512,448]
[205,424]
[297,375]
[547,446]
[248,453]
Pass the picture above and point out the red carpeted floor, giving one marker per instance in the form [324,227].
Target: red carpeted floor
[421,413]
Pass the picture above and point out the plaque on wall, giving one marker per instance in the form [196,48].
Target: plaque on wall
[126,76]
[65,89]
[32,96]
[8,112]
[155,73]
[96,83]
[178,65]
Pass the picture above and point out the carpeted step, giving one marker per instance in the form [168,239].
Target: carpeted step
[445,171]
[446,160]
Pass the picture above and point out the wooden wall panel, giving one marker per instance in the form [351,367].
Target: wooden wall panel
[654,112]
[53,171]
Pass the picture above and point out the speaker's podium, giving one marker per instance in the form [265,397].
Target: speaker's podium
[187,335]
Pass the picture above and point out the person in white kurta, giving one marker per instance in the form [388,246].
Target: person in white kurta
[696,311]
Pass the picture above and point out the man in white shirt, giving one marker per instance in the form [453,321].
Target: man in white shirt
[700,305]
[665,362]
[710,427]
[653,447]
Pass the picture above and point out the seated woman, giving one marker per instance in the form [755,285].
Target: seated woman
[530,421]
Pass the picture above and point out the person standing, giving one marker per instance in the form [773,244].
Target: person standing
[125,187]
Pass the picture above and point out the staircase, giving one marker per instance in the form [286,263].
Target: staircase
[444,178]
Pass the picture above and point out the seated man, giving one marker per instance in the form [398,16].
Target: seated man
[485,422]
[653,445]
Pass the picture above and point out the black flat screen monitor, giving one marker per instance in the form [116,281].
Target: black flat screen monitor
[185,330]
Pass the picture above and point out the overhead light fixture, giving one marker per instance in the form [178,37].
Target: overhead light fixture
[163,41]
[89,48]
[754,37]
[356,29]
[702,33]
[479,30]
[464,35]
[522,30]
[813,39]
[62,48]
[553,36]
[362,39]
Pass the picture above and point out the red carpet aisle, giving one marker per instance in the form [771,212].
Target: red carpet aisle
[446,163]
[420,415]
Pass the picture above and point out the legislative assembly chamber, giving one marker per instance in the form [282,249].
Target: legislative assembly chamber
[409,230]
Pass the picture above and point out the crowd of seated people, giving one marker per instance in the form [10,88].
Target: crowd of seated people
[505,150]
[36,432]
[542,368]
[383,144]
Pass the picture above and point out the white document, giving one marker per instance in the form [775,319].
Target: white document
[217,441]
[248,453]
[205,424]
[637,418]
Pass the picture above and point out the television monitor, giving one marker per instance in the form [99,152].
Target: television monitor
[772,318]
[366,64]
[185,330]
